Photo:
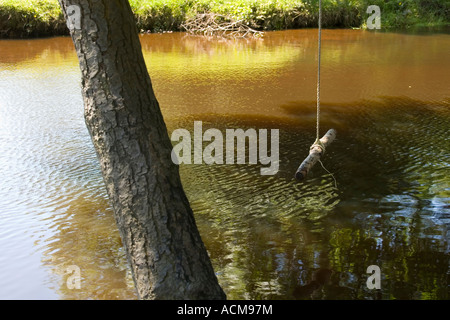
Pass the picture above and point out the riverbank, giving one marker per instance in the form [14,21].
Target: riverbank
[41,18]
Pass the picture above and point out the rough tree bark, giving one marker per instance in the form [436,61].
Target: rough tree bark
[164,249]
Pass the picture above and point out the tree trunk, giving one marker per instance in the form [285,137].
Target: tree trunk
[167,256]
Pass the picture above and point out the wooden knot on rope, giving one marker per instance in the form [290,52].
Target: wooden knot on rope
[315,152]
[318,144]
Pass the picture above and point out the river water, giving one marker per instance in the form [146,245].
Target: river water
[384,198]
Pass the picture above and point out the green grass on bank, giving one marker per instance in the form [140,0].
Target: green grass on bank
[30,18]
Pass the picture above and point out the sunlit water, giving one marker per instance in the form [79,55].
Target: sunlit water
[387,202]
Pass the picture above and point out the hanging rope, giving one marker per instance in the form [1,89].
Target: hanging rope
[318,147]
[319,46]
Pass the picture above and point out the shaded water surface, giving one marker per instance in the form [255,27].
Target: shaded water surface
[387,202]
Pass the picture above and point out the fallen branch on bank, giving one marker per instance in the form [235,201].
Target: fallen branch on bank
[315,152]
[217,25]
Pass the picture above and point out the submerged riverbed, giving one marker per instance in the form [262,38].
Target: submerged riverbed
[387,202]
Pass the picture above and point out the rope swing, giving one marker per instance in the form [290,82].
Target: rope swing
[319,146]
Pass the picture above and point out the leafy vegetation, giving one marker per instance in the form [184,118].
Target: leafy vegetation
[25,18]
[30,18]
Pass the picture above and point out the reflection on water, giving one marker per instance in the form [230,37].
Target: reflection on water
[391,206]
[269,237]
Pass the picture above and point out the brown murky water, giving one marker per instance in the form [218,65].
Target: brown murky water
[387,94]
